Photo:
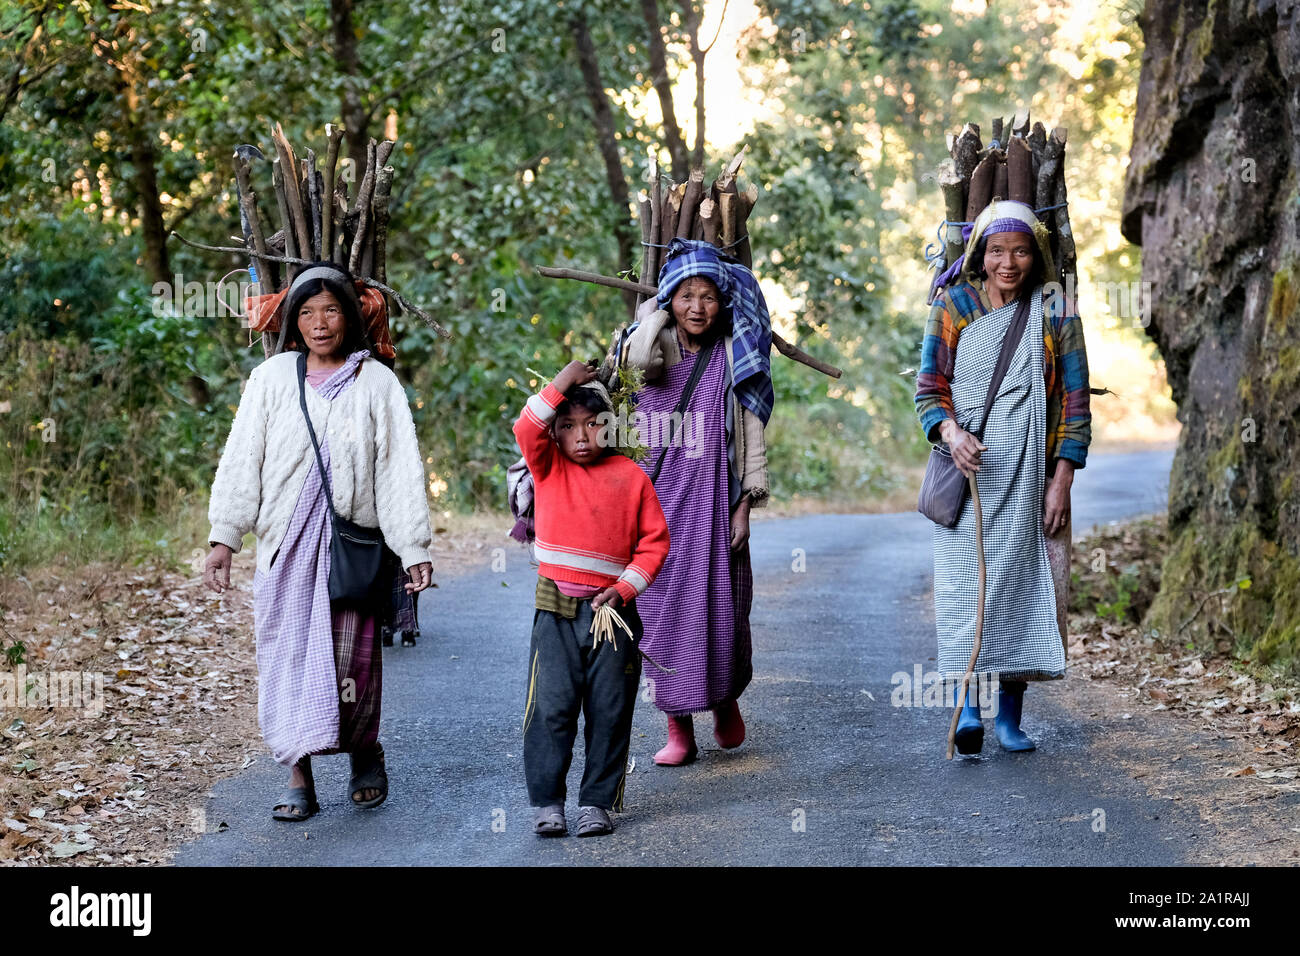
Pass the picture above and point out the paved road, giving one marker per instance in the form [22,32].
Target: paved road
[831,772]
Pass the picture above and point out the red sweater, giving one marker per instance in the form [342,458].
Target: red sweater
[598,524]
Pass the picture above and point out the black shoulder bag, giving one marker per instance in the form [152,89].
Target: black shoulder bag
[701,363]
[944,488]
[356,552]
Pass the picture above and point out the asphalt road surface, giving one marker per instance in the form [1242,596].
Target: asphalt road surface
[831,772]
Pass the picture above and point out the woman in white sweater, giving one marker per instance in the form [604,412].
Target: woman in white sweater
[319,663]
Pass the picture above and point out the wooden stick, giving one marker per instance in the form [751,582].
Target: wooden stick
[383,151]
[997,131]
[282,203]
[726,181]
[674,211]
[372,283]
[727,203]
[1000,178]
[656,204]
[1045,188]
[1020,123]
[334,135]
[362,209]
[379,255]
[785,348]
[292,194]
[644,216]
[248,204]
[979,611]
[1066,258]
[966,151]
[313,204]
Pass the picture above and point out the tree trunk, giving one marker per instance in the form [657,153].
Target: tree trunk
[348,62]
[603,119]
[664,87]
[691,17]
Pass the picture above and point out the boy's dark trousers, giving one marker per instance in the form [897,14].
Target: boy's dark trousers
[565,676]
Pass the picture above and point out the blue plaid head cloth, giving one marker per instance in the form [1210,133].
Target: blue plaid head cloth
[751,327]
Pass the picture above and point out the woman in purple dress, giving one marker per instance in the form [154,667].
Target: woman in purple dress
[707,398]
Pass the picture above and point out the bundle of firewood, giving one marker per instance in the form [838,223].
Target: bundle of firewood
[321,219]
[718,214]
[1027,165]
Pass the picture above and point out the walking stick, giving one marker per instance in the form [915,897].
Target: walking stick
[979,612]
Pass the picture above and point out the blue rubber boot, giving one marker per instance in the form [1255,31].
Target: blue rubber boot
[970,729]
[1011,699]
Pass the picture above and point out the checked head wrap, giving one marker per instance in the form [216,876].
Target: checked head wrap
[751,327]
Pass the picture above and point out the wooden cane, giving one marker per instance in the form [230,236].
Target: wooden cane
[979,612]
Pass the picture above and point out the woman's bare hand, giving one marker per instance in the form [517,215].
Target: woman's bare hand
[421,577]
[964,446]
[740,524]
[216,569]
[1056,505]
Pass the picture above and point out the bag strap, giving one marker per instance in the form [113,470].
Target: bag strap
[701,363]
[1009,342]
[302,399]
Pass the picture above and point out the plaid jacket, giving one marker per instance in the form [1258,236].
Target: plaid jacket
[1065,364]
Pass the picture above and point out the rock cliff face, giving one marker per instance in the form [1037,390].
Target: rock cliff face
[1213,198]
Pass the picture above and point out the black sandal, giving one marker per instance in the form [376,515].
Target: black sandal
[374,777]
[299,799]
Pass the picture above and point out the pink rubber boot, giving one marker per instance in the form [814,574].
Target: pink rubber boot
[681,743]
[728,728]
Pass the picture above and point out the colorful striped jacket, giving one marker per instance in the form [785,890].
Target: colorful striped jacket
[1065,366]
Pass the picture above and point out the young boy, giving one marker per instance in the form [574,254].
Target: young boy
[601,538]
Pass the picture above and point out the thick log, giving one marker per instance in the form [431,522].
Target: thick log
[966,151]
[1020,172]
[727,203]
[674,212]
[1020,123]
[1037,140]
[709,221]
[952,187]
[981,187]
[339,256]
[1045,188]
[383,151]
[726,181]
[690,201]
[997,132]
[334,135]
[1066,257]
[785,348]
[1000,177]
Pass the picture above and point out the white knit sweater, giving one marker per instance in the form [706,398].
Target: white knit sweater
[376,472]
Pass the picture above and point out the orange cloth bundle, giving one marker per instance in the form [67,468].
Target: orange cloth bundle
[264,315]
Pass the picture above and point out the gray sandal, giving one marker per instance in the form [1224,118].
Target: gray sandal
[550,821]
[298,803]
[594,821]
[373,777]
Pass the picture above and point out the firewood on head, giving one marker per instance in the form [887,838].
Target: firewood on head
[997,131]
[644,218]
[745,205]
[656,205]
[726,181]
[1045,188]
[313,203]
[675,197]
[1020,123]
[727,203]
[383,189]
[383,151]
